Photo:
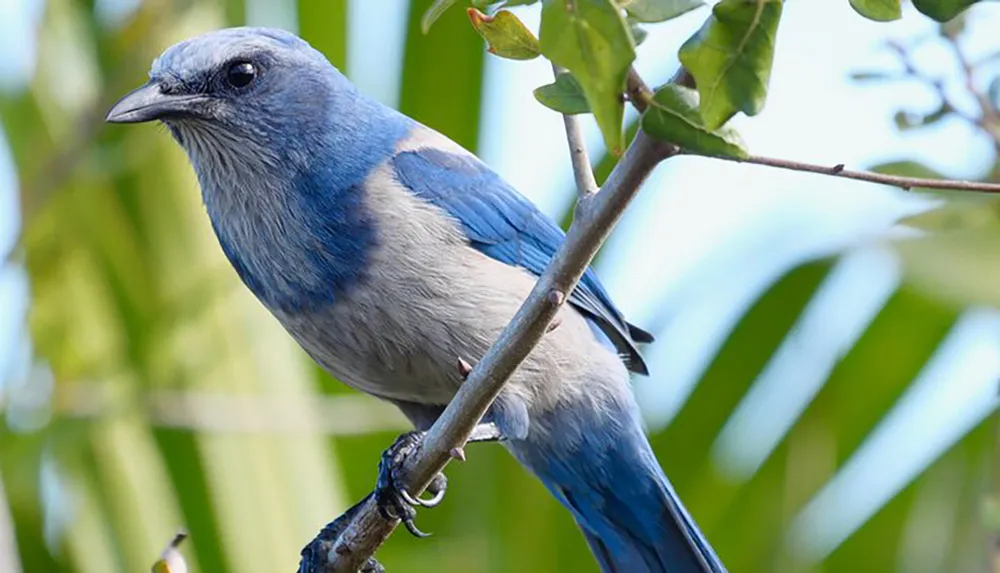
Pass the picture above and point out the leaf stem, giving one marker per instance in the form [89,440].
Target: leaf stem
[638,92]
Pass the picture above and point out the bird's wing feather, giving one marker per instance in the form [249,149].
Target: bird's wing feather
[502,224]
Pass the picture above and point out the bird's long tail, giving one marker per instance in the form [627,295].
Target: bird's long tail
[599,464]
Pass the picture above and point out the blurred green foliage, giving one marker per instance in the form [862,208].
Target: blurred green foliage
[176,401]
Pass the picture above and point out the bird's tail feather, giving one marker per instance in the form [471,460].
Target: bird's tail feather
[605,473]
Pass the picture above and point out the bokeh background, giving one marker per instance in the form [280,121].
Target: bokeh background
[821,402]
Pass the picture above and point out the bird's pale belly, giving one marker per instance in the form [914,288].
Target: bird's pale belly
[403,341]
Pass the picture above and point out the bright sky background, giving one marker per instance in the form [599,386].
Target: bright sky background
[705,236]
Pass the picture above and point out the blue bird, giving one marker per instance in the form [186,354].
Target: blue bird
[389,252]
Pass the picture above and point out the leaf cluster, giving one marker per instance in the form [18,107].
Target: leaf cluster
[729,58]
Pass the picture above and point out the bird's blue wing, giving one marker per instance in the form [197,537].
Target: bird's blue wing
[502,224]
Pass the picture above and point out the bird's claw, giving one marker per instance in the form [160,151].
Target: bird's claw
[391,497]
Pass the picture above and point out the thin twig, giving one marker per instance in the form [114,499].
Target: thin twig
[586,185]
[989,119]
[369,530]
[893,180]
[936,84]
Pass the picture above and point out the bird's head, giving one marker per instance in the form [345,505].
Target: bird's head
[238,89]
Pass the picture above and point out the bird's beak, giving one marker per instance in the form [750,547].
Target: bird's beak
[148,103]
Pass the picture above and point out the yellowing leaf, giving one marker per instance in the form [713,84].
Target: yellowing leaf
[506,35]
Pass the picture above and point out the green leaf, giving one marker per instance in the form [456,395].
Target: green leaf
[959,213]
[673,116]
[870,76]
[906,120]
[736,365]
[565,95]
[958,210]
[907,169]
[878,10]
[591,39]
[950,483]
[942,10]
[730,58]
[433,13]
[957,266]
[650,11]
[506,35]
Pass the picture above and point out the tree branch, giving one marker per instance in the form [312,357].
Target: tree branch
[590,228]
[638,92]
[597,213]
[586,185]
[893,180]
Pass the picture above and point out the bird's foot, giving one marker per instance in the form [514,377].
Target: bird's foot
[314,555]
[393,501]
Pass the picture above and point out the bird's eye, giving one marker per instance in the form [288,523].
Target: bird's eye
[241,74]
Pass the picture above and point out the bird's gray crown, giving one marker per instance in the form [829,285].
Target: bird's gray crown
[240,81]
[193,59]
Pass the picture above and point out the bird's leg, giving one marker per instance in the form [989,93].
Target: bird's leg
[393,501]
[313,558]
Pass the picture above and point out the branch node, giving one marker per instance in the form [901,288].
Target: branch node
[457,453]
[556,296]
[837,168]
[464,368]
[553,325]
[638,92]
